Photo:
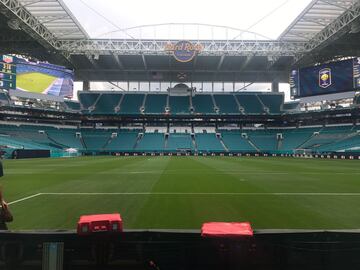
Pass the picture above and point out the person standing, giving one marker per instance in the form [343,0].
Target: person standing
[5,214]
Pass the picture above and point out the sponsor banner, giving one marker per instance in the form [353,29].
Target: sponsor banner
[325,77]
[330,78]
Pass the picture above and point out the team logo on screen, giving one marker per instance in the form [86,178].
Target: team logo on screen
[184,51]
[7,59]
[325,77]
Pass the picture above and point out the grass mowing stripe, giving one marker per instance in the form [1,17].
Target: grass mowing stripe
[184,192]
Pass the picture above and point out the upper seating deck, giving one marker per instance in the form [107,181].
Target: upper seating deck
[203,104]
[136,103]
[107,103]
[272,102]
[250,103]
[179,104]
[155,103]
[88,99]
[226,104]
[131,103]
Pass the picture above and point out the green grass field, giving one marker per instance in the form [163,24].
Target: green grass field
[34,82]
[184,192]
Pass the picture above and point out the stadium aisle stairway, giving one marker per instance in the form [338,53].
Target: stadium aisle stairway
[235,143]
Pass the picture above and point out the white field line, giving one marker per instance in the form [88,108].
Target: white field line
[186,193]
[232,172]
[25,198]
[206,193]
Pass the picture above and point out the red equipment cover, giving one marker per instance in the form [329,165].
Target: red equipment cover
[226,229]
[100,223]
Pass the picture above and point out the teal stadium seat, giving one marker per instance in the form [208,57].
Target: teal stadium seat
[272,101]
[208,142]
[294,138]
[226,104]
[66,137]
[265,140]
[179,104]
[203,104]
[87,99]
[27,137]
[155,103]
[151,142]
[327,136]
[351,143]
[95,140]
[235,142]
[131,104]
[178,141]
[125,141]
[250,103]
[107,103]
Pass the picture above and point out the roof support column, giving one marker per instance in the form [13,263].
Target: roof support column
[275,86]
[86,85]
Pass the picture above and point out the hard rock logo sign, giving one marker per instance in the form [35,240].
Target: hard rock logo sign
[184,51]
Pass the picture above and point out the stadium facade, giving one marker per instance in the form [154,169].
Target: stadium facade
[195,115]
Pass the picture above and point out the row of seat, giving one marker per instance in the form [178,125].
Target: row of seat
[316,139]
[136,103]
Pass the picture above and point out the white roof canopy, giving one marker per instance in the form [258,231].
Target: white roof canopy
[316,16]
[56,17]
[288,20]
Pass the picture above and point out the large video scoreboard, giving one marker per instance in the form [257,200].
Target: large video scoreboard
[330,78]
[7,72]
[37,77]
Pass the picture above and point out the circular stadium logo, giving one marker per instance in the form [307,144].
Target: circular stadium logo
[184,51]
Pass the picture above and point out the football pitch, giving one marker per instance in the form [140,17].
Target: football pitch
[184,192]
[34,81]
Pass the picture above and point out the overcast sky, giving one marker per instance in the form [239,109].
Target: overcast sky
[268,18]
[100,17]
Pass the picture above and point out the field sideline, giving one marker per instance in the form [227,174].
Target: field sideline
[184,192]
